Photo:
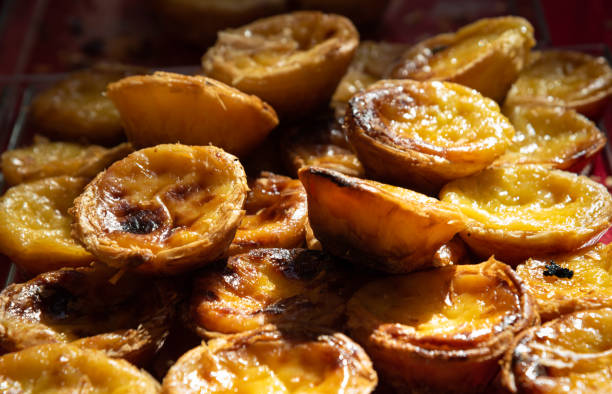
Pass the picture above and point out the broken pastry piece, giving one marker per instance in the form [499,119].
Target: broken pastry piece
[401,231]
[271,286]
[292,360]
[166,108]
[528,211]
[125,318]
[292,61]
[76,108]
[554,137]
[571,354]
[276,213]
[45,159]
[163,210]
[486,55]
[442,330]
[566,79]
[64,368]
[572,282]
[421,135]
[35,225]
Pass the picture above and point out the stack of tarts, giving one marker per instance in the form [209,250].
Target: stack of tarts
[425,237]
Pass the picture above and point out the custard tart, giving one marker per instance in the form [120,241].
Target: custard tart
[271,286]
[442,330]
[381,226]
[563,79]
[126,318]
[163,210]
[77,109]
[528,211]
[554,137]
[267,360]
[571,354]
[276,213]
[486,55]
[567,283]
[35,225]
[62,368]
[423,134]
[45,159]
[194,110]
[292,61]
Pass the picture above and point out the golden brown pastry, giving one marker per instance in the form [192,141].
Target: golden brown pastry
[563,284]
[554,137]
[198,21]
[442,330]
[292,61]
[194,110]
[297,360]
[35,225]
[128,318]
[423,134]
[571,354]
[163,210]
[76,108]
[486,55]
[527,211]
[381,226]
[565,79]
[61,368]
[271,286]
[45,159]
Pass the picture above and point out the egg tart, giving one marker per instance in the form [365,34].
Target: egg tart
[198,21]
[564,79]
[292,61]
[381,226]
[567,283]
[276,212]
[77,109]
[554,137]
[45,159]
[35,225]
[63,368]
[193,110]
[486,55]
[163,210]
[372,62]
[87,306]
[266,360]
[321,144]
[271,286]
[571,354]
[442,330]
[528,211]
[424,134]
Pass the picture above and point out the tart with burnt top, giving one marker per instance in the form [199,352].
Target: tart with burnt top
[276,213]
[563,79]
[35,227]
[292,61]
[291,360]
[529,211]
[423,134]
[571,354]
[88,307]
[442,330]
[571,282]
[163,210]
[64,368]
[165,108]
[486,55]
[271,286]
